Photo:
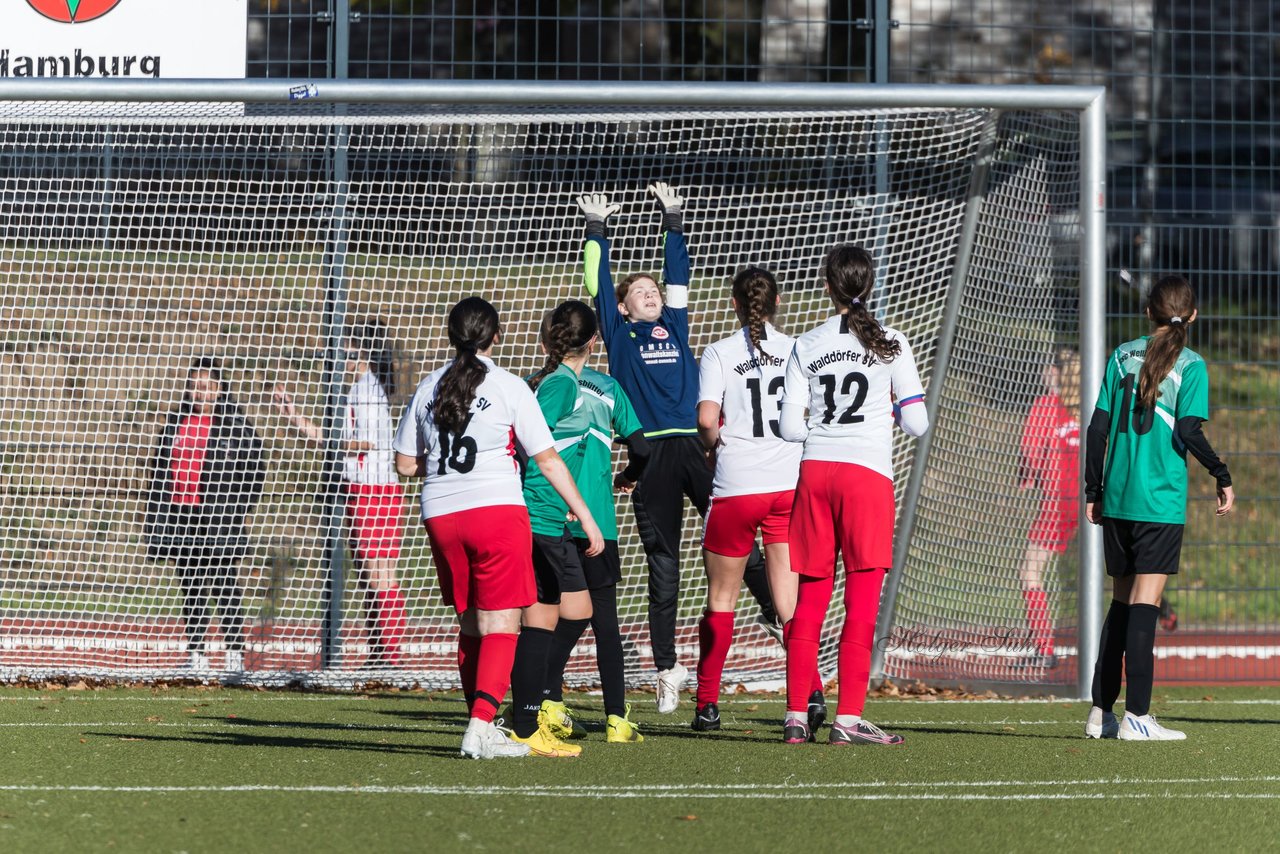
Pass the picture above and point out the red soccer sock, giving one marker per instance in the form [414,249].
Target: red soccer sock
[801,635]
[468,659]
[493,674]
[391,621]
[1038,619]
[715,635]
[861,605]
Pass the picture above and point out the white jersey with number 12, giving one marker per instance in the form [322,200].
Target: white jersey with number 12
[849,393]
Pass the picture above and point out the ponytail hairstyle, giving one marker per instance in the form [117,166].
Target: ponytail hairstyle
[473,326]
[850,275]
[566,331]
[1067,362]
[755,291]
[1170,305]
[370,338]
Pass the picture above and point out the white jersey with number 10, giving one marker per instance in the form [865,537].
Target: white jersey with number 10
[747,383]
[475,467]
[849,393]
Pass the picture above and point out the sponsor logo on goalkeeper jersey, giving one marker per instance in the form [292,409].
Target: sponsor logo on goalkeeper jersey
[73,11]
[660,354]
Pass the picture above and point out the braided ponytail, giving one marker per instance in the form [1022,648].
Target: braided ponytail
[755,290]
[565,331]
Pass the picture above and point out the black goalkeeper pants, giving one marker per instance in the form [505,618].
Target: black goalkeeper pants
[678,469]
[210,579]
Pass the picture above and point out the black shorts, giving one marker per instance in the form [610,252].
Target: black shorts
[557,567]
[603,570]
[1141,548]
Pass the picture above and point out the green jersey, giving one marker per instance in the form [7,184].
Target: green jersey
[1145,475]
[609,414]
[562,407]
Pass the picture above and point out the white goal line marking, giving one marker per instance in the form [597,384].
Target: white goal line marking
[711,792]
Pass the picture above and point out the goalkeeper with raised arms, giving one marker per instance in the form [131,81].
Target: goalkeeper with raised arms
[647,339]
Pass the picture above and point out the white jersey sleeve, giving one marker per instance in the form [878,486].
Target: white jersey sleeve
[369,420]
[476,466]
[710,378]
[753,458]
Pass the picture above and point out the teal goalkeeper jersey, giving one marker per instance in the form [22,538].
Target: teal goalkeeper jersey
[609,414]
[1145,476]
[563,409]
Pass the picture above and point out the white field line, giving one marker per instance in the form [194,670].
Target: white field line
[926,791]
[233,724]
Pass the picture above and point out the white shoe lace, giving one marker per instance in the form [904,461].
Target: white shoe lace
[867,726]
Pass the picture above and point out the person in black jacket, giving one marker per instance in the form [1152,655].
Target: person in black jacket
[206,476]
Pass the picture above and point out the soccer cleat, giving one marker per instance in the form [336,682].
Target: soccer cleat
[485,740]
[1168,616]
[817,711]
[620,730]
[543,743]
[796,732]
[861,733]
[1101,724]
[669,684]
[707,718]
[556,718]
[772,627]
[1145,728]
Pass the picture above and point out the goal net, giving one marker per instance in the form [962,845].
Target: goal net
[134,243]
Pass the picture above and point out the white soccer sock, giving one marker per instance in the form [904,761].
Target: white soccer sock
[848,720]
[797,718]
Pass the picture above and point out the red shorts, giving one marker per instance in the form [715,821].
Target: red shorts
[732,522]
[1055,525]
[484,557]
[377,512]
[841,507]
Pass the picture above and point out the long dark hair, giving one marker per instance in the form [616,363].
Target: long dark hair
[565,331]
[755,290]
[850,274]
[473,326]
[212,366]
[1170,306]
[370,338]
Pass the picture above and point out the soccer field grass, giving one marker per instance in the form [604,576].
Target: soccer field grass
[210,769]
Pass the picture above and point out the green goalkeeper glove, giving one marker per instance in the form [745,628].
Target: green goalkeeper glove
[596,208]
[672,218]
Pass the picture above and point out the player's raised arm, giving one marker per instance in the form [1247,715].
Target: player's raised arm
[675,253]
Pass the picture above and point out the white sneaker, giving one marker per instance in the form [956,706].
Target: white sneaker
[669,684]
[1145,728]
[198,661]
[234,661]
[1101,724]
[484,740]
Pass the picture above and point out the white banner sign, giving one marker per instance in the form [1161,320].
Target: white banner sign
[122,38]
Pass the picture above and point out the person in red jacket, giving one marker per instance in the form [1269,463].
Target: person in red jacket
[1050,463]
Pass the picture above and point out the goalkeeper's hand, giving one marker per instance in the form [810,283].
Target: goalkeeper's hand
[672,218]
[597,209]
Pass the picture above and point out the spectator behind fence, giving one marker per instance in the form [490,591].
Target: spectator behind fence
[206,476]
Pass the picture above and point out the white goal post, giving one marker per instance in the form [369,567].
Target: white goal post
[145,225]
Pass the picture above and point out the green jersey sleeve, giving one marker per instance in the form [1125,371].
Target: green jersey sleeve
[625,420]
[1193,392]
[1111,379]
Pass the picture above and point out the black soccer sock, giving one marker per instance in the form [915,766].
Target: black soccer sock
[563,641]
[528,675]
[1109,667]
[757,580]
[1139,658]
[609,656]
